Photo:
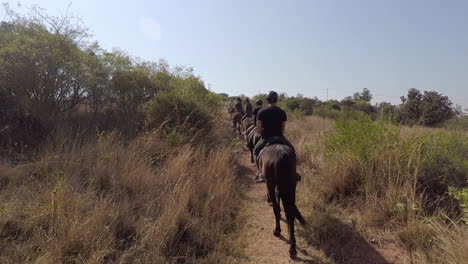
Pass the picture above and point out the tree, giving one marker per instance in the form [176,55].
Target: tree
[48,51]
[365,95]
[410,109]
[386,111]
[307,105]
[348,101]
[429,109]
[98,79]
[436,109]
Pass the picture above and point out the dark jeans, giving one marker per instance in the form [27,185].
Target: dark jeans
[265,141]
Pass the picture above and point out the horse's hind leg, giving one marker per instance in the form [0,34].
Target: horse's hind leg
[290,211]
[299,216]
[276,210]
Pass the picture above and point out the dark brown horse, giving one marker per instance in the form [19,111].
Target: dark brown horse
[237,122]
[246,123]
[278,165]
[251,139]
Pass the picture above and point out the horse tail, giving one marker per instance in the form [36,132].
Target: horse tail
[285,165]
[286,176]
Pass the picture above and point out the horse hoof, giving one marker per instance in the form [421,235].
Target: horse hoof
[277,233]
[292,253]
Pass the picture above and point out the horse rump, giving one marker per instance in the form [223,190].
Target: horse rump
[278,166]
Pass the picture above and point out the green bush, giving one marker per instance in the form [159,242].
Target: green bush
[461,196]
[457,123]
[178,116]
[326,111]
[444,170]
[446,159]
[429,164]
[361,138]
[195,90]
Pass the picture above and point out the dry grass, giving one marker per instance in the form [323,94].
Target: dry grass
[376,197]
[148,202]
[451,244]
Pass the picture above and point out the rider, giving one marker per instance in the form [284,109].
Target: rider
[231,103]
[271,122]
[248,109]
[239,108]
[259,104]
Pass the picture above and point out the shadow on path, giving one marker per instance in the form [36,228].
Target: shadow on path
[341,242]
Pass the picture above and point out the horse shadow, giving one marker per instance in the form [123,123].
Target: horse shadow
[340,242]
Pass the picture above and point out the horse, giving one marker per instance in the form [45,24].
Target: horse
[246,123]
[278,165]
[237,122]
[231,111]
[252,137]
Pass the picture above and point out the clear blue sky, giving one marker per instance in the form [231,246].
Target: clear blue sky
[247,46]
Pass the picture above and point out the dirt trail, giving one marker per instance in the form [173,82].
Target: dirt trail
[262,246]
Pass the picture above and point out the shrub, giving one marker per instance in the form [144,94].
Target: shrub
[327,111]
[374,176]
[445,166]
[446,159]
[178,115]
[457,123]
[361,138]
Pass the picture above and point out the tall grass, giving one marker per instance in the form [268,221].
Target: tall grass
[102,202]
[380,176]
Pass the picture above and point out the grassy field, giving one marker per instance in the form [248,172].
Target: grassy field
[102,202]
[386,184]
[153,200]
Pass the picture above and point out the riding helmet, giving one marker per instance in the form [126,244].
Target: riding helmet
[259,102]
[272,97]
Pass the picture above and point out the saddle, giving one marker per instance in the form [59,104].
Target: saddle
[276,140]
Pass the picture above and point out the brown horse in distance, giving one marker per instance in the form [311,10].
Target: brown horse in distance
[231,111]
[237,122]
[278,165]
[246,123]
[252,137]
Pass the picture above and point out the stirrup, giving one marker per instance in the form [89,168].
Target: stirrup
[259,178]
[298,177]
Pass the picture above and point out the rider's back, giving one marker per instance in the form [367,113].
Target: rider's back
[272,118]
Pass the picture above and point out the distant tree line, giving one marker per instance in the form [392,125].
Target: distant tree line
[426,109]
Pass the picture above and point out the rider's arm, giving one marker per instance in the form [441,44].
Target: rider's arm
[259,126]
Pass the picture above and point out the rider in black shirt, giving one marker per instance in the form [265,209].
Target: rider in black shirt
[248,109]
[271,122]
[239,107]
[255,111]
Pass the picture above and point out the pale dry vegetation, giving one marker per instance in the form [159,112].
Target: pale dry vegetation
[148,202]
[373,181]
